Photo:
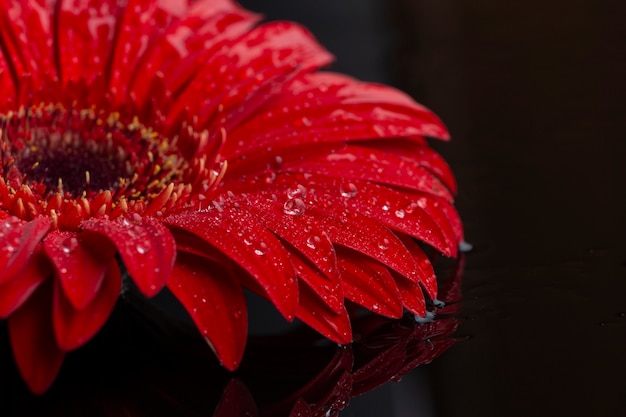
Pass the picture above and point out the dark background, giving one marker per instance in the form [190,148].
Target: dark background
[534,95]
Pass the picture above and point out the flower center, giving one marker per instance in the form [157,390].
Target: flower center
[81,153]
[54,159]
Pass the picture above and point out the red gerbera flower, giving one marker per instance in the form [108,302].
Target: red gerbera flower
[186,145]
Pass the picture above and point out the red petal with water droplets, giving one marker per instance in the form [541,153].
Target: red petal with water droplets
[411,151]
[328,290]
[36,353]
[80,268]
[411,295]
[142,24]
[85,35]
[317,314]
[326,107]
[244,66]
[187,43]
[362,163]
[7,85]
[146,246]
[444,209]
[215,301]
[354,231]
[26,31]
[425,271]
[16,291]
[381,204]
[310,241]
[369,284]
[18,241]
[241,238]
[74,327]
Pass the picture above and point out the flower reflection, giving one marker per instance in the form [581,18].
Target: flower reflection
[128,370]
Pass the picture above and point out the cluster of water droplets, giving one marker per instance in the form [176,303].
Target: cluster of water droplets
[11,243]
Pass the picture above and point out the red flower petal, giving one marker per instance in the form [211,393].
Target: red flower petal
[363,163]
[17,290]
[384,205]
[426,157]
[351,230]
[411,295]
[85,34]
[238,235]
[326,107]
[425,270]
[143,22]
[80,267]
[327,289]
[7,85]
[310,241]
[186,44]
[215,301]
[74,327]
[34,348]
[268,52]
[25,29]
[18,240]
[317,314]
[146,246]
[369,284]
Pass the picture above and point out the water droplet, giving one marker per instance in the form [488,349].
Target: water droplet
[203,300]
[141,249]
[63,270]
[313,241]
[237,314]
[386,206]
[261,249]
[304,121]
[294,207]
[298,191]
[348,190]
[465,246]
[247,241]
[270,177]
[69,244]
[400,214]
[384,245]
[279,160]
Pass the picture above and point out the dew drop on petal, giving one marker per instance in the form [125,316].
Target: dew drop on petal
[237,314]
[294,207]
[400,214]
[384,245]
[141,249]
[69,244]
[348,190]
[261,249]
[386,206]
[298,191]
[313,241]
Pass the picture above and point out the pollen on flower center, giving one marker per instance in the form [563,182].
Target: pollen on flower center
[84,163]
